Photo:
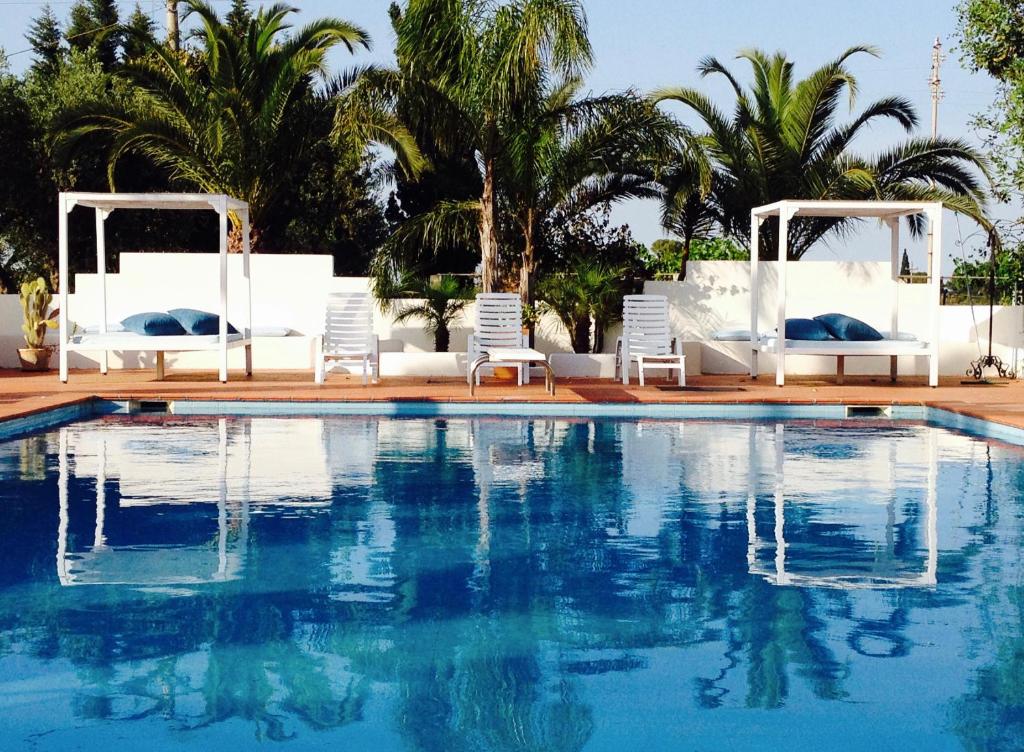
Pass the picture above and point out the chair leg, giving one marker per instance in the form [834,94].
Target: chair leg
[318,374]
[682,370]
[640,370]
[366,369]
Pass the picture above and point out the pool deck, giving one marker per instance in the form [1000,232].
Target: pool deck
[23,394]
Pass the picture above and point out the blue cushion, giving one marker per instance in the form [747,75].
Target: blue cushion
[806,329]
[199,322]
[848,328]
[153,324]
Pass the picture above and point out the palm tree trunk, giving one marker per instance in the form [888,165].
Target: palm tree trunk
[235,238]
[599,327]
[442,338]
[526,267]
[581,335]
[488,233]
[684,259]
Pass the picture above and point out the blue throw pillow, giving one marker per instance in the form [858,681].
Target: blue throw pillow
[199,322]
[848,328]
[153,324]
[806,329]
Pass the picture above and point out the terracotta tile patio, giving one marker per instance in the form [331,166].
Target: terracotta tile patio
[23,394]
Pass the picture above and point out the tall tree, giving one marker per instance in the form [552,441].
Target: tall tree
[483,60]
[45,37]
[992,40]
[567,154]
[139,35]
[239,17]
[95,24]
[783,141]
[240,116]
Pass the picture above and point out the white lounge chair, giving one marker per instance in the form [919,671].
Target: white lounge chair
[499,325]
[348,336]
[646,339]
[498,340]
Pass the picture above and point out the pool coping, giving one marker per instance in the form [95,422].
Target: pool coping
[47,415]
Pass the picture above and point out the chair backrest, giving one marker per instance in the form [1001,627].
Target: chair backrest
[348,326]
[645,325]
[499,320]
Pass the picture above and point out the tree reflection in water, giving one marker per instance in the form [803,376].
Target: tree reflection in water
[493,584]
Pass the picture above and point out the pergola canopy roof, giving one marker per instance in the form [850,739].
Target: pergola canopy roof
[880,209]
[194,201]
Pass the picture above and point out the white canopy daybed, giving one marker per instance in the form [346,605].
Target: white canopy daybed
[104,340]
[894,344]
[882,568]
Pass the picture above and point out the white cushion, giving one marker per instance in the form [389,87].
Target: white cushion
[114,326]
[732,335]
[271,331]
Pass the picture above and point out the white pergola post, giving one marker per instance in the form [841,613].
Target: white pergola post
[222,214]
[101,273]
[780,505]
[62,272]
[751,496]
[247,272]
[755,244]
[935,238]
[63,519]
[780,349]
[894,257]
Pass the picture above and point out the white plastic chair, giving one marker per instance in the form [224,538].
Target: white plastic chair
[499,325]
[646,339]
[348,336]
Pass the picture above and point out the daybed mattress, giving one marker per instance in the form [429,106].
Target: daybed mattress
[847,347]
[131,342]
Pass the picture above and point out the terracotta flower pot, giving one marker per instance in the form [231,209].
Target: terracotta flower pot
[506,373]
[34,358]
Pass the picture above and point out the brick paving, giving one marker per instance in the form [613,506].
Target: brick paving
[23,393]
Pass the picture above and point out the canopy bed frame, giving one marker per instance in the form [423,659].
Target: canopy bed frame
[105,341]
[893,345]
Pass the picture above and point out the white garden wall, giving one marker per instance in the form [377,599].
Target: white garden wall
[289,290]
[716,296]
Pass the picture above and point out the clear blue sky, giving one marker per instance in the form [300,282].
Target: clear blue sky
[645,44]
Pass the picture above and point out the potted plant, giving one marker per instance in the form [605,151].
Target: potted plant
[35,308]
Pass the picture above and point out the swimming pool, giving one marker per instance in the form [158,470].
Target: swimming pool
[490,583]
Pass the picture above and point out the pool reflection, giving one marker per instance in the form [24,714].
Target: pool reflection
[503,584]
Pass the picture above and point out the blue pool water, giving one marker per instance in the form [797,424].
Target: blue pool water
[360,583]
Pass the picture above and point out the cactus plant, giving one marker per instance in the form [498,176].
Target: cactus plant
[35,304]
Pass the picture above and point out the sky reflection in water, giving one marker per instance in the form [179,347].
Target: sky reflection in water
[494,584]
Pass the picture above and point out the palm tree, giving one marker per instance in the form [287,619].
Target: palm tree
[783,141]
[688,207]
[481,62]
[441,301]
[236,115]
[589,296]
[569,154]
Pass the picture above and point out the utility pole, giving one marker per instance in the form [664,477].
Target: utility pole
[172,24]
[935,84]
